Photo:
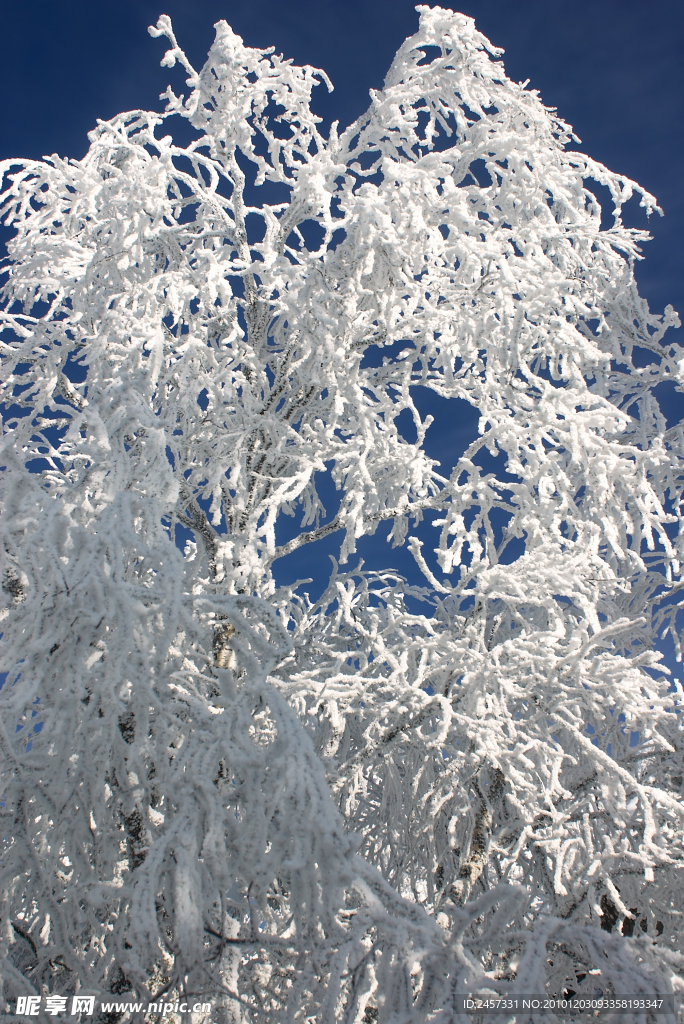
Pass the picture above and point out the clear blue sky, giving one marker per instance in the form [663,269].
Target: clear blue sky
[613,68]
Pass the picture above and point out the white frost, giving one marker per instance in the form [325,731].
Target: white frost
[327,808]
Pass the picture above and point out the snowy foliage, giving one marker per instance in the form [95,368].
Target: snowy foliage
[336,809]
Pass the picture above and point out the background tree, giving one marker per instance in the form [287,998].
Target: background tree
[199,337]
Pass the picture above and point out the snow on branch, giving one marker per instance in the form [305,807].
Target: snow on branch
[361,805]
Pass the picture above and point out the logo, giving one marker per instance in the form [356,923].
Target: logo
[29,1006]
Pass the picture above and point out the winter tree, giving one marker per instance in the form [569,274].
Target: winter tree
[336,808]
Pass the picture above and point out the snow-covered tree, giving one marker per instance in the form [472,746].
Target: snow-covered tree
[336,809]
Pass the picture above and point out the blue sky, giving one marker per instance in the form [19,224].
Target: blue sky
[613,68]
